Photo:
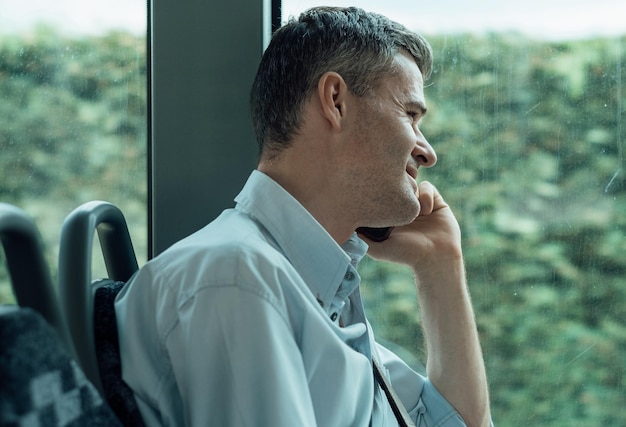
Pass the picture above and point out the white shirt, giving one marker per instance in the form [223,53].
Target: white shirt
[238,325]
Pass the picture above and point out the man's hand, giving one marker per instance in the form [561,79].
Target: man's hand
[431,245]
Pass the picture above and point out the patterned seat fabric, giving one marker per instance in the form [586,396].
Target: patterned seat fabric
[40,384]
[117,392]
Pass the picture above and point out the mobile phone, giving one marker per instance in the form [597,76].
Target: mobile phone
[377,234]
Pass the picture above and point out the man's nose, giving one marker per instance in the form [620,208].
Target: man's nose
[423,152]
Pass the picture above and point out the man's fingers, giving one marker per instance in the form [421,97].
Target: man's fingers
[426,193]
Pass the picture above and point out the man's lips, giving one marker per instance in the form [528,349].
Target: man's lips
[412,171]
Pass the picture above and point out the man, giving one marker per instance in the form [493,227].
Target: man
[257,320]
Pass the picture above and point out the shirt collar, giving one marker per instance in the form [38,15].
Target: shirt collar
[319,260]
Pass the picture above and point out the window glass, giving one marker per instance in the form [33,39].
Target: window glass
[73,113]
[525,109]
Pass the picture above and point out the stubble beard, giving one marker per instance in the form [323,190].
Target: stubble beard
[393,208]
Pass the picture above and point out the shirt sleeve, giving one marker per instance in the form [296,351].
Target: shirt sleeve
[420,397]
[245,368]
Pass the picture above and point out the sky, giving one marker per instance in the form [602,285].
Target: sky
[75,17]
[545,19]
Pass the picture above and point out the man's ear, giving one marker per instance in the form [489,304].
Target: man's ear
[332,91]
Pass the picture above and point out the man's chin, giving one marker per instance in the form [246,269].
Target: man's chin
[413,208]
[398,210]
[409,213]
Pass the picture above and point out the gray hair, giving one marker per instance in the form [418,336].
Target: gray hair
[358,45]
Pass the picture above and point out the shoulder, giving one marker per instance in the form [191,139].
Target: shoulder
[233,251]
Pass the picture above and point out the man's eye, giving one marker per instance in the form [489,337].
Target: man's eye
[413,115]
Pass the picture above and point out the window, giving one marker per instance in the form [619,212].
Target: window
[73,113]
[525,110]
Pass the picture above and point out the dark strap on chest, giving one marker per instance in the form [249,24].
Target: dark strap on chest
[404,420]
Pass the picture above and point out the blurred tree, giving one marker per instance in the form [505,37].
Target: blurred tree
[530,143]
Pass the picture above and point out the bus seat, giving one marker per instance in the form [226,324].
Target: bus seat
[40,382]
[28,269]
[89,304]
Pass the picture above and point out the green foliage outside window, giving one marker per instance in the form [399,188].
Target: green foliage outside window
[72,129]
[530,145]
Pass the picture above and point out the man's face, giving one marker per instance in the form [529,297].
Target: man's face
[390,147]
